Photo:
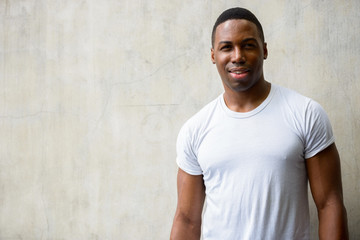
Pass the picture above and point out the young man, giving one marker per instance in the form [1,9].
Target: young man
[252,151]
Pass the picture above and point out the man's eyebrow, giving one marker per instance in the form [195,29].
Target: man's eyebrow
[225,42]
[249,39]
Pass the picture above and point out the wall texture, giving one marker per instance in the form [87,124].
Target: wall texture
[93,93]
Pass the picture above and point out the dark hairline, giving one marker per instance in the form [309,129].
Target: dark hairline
[237,14]
[214,32]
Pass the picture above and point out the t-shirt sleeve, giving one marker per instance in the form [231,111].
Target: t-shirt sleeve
[318,130]
[186,158]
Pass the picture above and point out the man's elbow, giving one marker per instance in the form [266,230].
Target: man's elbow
[330,203]
[185,227]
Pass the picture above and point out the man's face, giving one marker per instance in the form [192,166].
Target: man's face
[238,53]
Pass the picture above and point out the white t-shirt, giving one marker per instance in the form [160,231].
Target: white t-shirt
[253,165]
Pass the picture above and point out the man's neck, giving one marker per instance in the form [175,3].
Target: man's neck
[245,101]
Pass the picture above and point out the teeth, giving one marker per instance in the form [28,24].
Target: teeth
[238,71]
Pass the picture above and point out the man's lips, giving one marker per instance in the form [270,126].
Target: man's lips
[238,72]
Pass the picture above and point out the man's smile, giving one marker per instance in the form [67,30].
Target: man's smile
[237,72]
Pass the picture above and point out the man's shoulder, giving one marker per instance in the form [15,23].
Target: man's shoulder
[298,105]
[205,114]
[293,99]
[292,94]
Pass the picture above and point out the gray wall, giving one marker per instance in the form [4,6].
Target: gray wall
[93,93]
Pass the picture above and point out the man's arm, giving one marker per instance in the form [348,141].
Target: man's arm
[191,195]
[326,188]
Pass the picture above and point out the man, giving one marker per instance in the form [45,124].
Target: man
[252,150]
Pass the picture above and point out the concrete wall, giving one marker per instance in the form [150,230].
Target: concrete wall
[93,93]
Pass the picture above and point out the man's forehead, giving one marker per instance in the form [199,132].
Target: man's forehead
[237,23]
[236,26]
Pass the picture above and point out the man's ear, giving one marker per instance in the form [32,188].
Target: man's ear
[212,56]
[265,51]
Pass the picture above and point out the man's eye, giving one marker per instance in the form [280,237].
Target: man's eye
[249,45]
[226,47]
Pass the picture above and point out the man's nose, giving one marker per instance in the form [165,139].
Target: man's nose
[238,56]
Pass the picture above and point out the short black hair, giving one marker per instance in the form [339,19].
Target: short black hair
[237,13]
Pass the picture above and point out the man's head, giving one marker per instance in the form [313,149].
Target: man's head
[237,13]
[238,50]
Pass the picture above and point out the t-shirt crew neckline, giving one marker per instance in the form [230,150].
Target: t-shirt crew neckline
[251,113]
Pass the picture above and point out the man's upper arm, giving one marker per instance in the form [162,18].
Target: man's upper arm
[326,187]
[191,195]
[325,176]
